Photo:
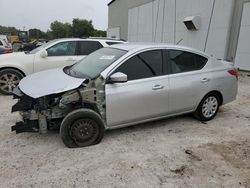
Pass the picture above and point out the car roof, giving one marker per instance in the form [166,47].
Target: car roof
[142,46]
[88,39]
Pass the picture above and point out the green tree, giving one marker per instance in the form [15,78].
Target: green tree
[37,34]
[8,30]
[100,33]
[60,30]
[82,28]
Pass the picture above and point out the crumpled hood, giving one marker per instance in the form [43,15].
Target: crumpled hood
[48,82]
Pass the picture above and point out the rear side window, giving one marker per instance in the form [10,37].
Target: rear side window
[143,65]
[87,47]
[181,61]
[113,43]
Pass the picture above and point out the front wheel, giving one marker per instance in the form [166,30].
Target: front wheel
[208,107]
[9,79]
[82,128]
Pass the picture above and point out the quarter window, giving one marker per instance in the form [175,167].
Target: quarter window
[63,49]
[144,65]
[87,47]
[181,61]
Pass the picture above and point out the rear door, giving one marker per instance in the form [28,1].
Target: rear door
[87,47]
[144,96]
[188,80]
[59,55]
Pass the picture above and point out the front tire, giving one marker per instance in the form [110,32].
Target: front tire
[9,79]
[208,107]
[82,128]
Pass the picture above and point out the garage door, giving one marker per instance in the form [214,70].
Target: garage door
[242,59]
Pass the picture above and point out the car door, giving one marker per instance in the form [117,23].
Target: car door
[87,47]
[188,80]
[59,55]
[143,96]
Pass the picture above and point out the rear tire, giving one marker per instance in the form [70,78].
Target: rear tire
[9,79]
[208,107]
[82,128]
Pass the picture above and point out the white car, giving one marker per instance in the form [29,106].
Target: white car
[56,53]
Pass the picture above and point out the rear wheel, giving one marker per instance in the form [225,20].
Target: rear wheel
[9,79]
[82,128]
[208,107]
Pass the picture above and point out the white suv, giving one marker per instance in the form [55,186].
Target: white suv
[56,53]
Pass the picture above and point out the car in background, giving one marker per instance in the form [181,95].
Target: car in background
[123,85]
[5,51]
[32,45]
[56,53]
[4,42]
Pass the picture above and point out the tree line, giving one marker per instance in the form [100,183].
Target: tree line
[78,28]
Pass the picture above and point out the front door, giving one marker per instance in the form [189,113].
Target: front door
[144,96]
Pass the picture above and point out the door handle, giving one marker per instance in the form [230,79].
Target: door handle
[205,80]
[157,87]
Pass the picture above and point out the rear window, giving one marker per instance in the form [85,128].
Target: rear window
[181,61]
[87,47]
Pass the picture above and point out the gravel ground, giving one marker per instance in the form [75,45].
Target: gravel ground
[177,152]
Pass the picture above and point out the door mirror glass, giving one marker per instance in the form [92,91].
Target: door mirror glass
[118,77]
[44,54]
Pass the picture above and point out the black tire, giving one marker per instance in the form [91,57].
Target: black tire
[200,111]
[77,125]
[5,84]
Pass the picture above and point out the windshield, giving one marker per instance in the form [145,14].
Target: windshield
[41,47]
[95,63]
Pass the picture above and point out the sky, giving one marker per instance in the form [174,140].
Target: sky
[40,13]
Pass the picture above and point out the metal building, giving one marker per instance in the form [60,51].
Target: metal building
[218,27]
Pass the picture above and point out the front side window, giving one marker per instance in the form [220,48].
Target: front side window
[87,47]
[181,61]
[63,49]
[144,65]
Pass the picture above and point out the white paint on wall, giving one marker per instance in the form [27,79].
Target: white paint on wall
[113,32]
[242,59]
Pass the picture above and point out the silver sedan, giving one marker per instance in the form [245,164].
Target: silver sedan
[123,85]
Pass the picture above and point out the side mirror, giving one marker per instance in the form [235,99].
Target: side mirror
[118,77]
[44,54]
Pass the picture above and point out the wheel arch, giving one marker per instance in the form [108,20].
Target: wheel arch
[218,93]
[14,68]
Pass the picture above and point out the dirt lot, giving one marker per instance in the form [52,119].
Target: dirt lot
[178,152]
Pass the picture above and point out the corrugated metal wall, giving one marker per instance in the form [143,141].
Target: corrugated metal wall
[162,21]
[243,51]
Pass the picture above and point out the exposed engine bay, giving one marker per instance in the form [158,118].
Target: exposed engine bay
[47,112]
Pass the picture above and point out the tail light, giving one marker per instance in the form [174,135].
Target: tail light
[234,72]
[7,51]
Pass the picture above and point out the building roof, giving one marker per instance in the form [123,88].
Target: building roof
[111,2]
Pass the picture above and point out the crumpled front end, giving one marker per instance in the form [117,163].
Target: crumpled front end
[47,112]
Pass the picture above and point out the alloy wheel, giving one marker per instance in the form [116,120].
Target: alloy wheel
[209,107]
[8,82]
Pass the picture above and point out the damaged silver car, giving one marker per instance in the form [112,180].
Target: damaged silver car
[123,85]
